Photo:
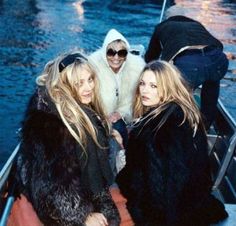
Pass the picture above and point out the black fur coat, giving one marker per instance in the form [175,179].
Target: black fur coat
[166,178]
[63,185]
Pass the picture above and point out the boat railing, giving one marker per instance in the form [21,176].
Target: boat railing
[225,138]
[226,162]
[4,173]
[227,115]
[222,154]
[137,50]
[6,192]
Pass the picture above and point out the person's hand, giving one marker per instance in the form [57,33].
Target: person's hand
[96,219]
[114,117]
[118,137]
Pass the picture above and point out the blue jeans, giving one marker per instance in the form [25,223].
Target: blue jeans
[204,67]
[120,126]
[114,148]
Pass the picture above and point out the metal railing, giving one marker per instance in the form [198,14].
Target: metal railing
[162,10]
[4,173]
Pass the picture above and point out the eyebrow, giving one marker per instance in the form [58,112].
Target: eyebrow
[90,76]
[153,83]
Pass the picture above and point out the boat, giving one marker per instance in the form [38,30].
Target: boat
[222,153]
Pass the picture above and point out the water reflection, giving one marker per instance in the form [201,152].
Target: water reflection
[219,18]
[216,15]
[33,32]
[79,7]
[18,36]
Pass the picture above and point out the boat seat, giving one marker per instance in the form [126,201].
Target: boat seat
[231,220]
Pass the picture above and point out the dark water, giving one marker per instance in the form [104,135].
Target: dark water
[219,16]
[33,32]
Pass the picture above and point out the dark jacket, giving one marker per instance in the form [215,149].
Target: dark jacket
[167,179]
[175,33]
[63,184]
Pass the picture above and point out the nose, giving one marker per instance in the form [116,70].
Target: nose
[88,86]
[143,89]
[116,56]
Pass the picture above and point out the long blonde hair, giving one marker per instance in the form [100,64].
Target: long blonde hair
[171,87]
[62,87]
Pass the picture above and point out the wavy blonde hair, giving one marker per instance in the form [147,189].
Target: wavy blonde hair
[63,90]
[171,87]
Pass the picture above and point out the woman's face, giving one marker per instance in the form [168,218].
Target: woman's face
[86,86]
[116,56]
[148,89]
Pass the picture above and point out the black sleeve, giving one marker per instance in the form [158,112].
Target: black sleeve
[154,48]
[49,171]
[181,19]
[104,204]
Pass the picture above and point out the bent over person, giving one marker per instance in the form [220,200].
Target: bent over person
[167,179]
[62,166]
[196,53]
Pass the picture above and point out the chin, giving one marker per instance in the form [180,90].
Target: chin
[86,102]
[145,104]
[116,67]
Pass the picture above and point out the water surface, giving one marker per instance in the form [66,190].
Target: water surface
[34,31]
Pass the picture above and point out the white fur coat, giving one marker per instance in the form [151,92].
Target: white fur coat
[125,80]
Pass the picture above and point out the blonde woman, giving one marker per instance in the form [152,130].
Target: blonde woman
[118,72]
[167,177]
[63,166]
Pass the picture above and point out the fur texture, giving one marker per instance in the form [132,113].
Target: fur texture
[51,171]
[167,179]
[125,80]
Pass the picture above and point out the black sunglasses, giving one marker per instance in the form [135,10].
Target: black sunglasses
[71,59]
[121,53]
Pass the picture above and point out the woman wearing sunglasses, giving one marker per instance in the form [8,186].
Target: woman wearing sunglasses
[118,72]
[63,166]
